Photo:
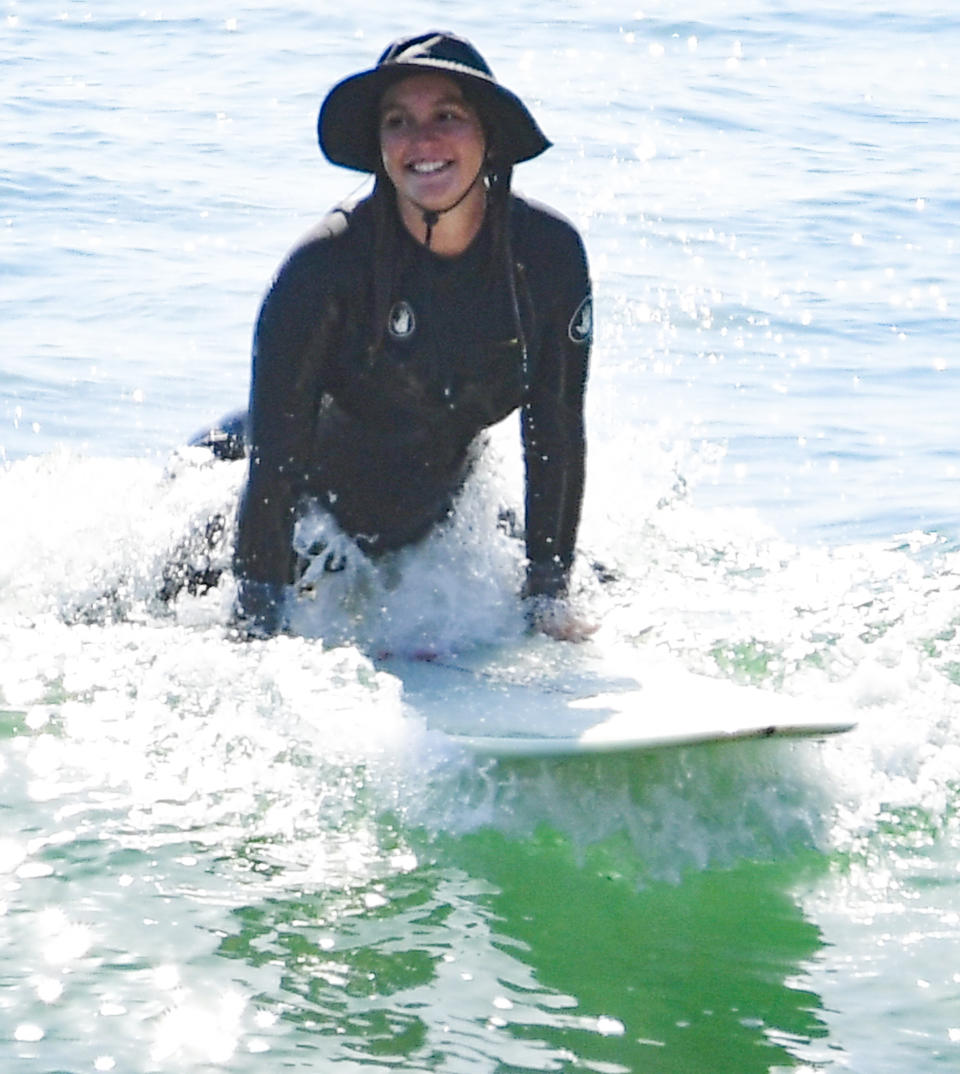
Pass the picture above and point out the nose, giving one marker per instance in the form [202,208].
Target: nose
[418,131]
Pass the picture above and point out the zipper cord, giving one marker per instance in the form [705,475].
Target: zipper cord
[431,216]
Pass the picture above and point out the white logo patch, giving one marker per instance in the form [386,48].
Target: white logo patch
[581,323]
[401,323]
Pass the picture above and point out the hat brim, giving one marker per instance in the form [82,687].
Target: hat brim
[348,124]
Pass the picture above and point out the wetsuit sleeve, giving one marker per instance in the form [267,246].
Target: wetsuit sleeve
[553,420]
[294,332]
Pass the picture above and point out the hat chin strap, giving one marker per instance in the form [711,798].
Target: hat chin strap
[431,216]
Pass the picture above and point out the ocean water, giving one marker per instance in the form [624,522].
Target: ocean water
[239,858]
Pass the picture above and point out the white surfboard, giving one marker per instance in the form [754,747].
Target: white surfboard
[548,699]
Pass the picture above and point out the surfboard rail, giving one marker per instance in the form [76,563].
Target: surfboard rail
[536,702]
[534,747]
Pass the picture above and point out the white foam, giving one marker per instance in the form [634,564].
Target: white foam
[169,722]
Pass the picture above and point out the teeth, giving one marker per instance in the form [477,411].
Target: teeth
[427,167]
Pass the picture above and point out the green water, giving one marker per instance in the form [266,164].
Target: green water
[232,859]
[683,912]
[494,955]
[685,976]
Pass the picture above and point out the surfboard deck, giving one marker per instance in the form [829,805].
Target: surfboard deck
[547,699]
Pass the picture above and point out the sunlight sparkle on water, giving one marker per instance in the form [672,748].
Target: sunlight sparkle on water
[62,940]
[48,989]
[200,1030]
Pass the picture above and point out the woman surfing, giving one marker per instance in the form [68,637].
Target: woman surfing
[409,322]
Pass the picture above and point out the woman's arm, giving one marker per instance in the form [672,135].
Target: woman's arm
[295,329]
[553,417]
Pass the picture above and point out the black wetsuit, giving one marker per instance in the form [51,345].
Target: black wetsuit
[384,442]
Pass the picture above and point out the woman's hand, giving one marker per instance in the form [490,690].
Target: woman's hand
[555,618]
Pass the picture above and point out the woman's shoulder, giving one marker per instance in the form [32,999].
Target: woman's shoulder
[540,219]
[539,229]
[345,230]
[325,261]
[544,239]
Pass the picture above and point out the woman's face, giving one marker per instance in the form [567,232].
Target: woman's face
[431,141]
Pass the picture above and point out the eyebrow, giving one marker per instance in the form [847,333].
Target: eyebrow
[447,99]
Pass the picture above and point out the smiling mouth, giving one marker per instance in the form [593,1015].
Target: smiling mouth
[428,167]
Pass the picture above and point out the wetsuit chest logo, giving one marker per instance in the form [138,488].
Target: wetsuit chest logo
[581,323]
[401,323]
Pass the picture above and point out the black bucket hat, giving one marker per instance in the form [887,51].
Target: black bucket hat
[348,126]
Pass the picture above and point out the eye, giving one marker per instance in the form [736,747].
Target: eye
[452,114]
[392,121]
